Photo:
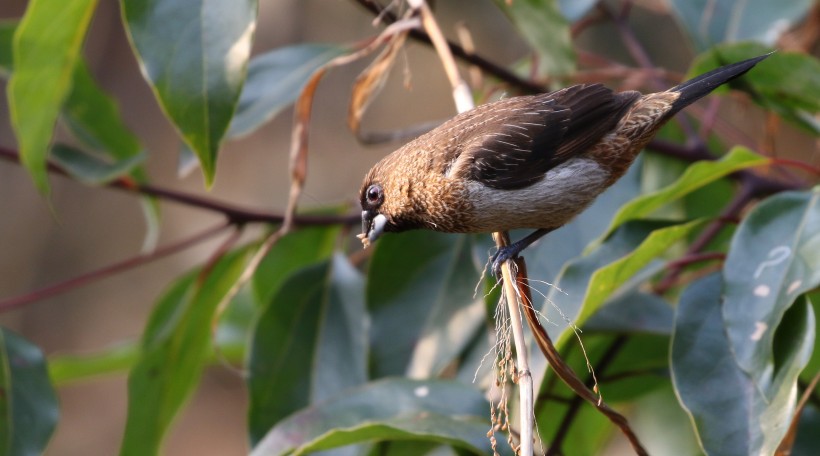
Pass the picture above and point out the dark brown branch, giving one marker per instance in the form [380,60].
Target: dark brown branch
[235,214]
[107,271]
[692,258]
[752,187]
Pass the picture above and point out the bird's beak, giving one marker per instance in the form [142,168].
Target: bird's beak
[372,227]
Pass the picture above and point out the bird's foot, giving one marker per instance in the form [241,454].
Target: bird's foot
[503,254]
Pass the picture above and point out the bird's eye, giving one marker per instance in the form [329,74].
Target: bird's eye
[374,194]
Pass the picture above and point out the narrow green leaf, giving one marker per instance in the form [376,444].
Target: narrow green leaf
[94,117]
[309,343]
[542,25]
[774,257]
[563,300]
[90,169]
[696,176]
[786,82]
[69,368]
[711,22]
[194,54]
[437,411]
[412,278]
[609,278]
[274,81]
[45,50]
[28,403]
[174,349]
[733,413]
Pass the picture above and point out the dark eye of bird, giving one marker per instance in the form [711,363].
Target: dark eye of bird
[374,194]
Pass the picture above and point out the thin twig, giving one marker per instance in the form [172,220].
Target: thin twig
[525,383]
[457,51]
[562,370]
[464,102]
[235,214]
[107,271]
[732,210]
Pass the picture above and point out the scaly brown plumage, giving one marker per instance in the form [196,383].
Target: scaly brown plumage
[524,162]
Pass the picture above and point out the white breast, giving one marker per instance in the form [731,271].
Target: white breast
[564,192]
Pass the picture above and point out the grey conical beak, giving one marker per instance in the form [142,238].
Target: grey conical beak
[372,227]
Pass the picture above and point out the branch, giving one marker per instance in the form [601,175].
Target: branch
[107,271]
[235,214]
[459,52]
[752,187]
[562,370]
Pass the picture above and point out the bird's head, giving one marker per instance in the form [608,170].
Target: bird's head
[374,222]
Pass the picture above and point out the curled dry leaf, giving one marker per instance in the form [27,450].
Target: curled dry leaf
[371,81]
[304,105]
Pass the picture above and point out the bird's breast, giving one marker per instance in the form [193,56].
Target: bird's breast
[551,202]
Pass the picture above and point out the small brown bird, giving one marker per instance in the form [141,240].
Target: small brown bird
[524,162]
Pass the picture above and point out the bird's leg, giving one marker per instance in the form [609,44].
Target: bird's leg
[511,251]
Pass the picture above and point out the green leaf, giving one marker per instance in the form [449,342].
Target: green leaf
[433,411]
[563,300]
[274,81]
[94,117]
[786,82]
[28,403]
[732,413]
[414,279]
[194,54]
[309,343]
[696,176]
[542,25]
[608,279]
[175,346]
[90,169]
[46,48]
[296,250]
[634,312]
[774,257]
[711,22]
[65,369]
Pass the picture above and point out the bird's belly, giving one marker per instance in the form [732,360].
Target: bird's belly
[563,193]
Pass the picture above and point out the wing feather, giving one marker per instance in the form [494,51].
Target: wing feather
[531,135]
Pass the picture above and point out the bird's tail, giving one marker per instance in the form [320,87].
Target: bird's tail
[700,86]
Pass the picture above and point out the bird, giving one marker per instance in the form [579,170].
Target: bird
[526,162]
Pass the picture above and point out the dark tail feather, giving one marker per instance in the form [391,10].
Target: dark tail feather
[697,88]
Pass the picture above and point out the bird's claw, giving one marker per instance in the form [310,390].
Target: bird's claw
[503,254]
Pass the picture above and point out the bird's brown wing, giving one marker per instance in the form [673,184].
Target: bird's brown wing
[532,135]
